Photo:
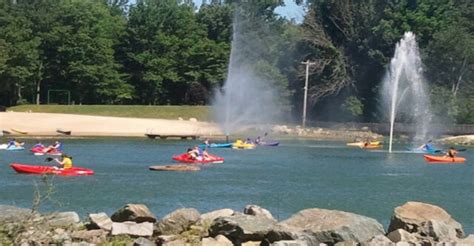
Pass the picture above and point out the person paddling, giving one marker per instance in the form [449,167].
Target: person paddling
[66,161]
[452,152]
[57,146]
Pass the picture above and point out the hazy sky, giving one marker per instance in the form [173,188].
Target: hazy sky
[290,10]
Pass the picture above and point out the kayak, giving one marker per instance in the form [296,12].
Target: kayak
[3,146]
[443,159]
[240,145]
[185,158]
[15,148]
[268,143]
[40,151]
[424,151]
[216,145]
[30,169]
[178,168]
[362,144]
[372,146]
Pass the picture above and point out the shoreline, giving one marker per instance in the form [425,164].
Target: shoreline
[46,125]
[412,223]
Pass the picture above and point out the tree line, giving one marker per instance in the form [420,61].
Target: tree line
[156,52]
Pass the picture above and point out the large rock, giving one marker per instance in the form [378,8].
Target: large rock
[258,211]
[144,229]
[241,228]
[316,226]
[401,235]
[207,218]
[63,219]
[134,212]
[427,220]
[217,241]
[468,241]
[178,221]
[378,240]
[100,221]
[11,213]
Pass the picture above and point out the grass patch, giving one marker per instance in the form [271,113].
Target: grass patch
[202,113]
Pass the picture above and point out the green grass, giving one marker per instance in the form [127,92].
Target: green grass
[202,113]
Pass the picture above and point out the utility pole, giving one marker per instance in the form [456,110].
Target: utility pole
[307,63]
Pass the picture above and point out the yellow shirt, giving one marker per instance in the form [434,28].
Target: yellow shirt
[67,163]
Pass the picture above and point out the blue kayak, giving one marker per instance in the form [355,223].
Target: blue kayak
[424,151]
[13,148]
[216,145]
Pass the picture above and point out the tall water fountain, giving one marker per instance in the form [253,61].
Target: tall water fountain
[404,91]
[247,98]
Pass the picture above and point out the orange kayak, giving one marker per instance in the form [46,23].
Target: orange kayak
[443,159]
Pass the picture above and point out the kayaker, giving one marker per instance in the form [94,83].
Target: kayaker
[38,145]
[206,142]
[66,161]
[15,143]
[56,146]
[258,140]
[191,154]
[248,141]
[452,152]
[426,146]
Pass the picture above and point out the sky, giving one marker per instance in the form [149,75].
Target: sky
[290,10]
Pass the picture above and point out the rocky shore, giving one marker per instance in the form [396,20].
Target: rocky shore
[413,223]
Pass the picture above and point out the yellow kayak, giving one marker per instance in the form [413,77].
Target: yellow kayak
[239,144]
[363,144]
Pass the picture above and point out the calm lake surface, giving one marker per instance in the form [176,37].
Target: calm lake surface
[298,174]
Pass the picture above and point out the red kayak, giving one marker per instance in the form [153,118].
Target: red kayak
[185,158]
[30,169]
[40,151]
[443,159]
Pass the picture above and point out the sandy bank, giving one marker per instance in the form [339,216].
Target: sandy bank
[46,124]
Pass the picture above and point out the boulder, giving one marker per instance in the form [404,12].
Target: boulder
[468,241]
[141,241]
[162,239]
[241,228]
[258,211]
[427,220]
[211,216]
[251,243]
[134,212]
[178,221]
[378,240]
[316,226]
[217,241]
[100,221]
[401,235]
[12,213]
[144,229]
[290,243]
[63,219]
[193,119]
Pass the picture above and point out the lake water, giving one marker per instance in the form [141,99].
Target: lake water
[298,174]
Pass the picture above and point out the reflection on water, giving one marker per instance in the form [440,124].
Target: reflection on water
[284,179]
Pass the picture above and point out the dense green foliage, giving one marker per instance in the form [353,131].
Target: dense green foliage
[171,52]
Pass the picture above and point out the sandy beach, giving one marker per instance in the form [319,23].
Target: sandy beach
[47,124]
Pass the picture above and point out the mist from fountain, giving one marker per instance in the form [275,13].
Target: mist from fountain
[247,98]
[404,91]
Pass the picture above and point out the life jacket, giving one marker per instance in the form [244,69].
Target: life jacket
[67,162]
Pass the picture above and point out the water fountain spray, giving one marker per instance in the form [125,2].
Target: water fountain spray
[247,98]
[404,89]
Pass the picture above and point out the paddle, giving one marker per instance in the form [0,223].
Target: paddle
[48,159]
